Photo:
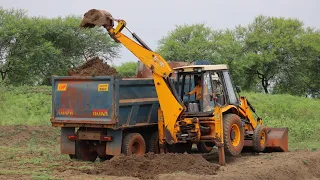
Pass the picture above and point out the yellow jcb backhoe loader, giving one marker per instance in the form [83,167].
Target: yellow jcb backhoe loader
[214,116]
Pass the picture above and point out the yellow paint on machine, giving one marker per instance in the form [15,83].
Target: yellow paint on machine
[62,87]
[103,87]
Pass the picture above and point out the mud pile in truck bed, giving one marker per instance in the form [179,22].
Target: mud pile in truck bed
[93,67]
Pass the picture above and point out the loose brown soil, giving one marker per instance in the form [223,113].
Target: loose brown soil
[151,165]
[30,152]
[93,67]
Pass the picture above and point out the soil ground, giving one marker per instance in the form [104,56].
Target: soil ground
[32,152]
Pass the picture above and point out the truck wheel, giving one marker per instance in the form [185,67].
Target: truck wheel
[84,151]
[205,147]
[153,143]
[233,134]
[133,143]
[259,138]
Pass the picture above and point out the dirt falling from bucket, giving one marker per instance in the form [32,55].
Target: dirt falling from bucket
[150,165]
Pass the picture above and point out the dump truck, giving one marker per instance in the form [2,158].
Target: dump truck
[194,104]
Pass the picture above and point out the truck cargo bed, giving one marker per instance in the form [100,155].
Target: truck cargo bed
[107,101]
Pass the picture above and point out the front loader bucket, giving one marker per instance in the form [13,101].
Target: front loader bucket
[98,18]
[277,140]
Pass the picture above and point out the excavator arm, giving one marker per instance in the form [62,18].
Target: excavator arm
[170,104]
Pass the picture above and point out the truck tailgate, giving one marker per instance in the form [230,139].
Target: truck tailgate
[83,100]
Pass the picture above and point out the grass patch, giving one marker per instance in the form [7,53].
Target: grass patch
[34,161]
[25,105]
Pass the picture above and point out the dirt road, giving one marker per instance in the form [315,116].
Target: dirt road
[29,152]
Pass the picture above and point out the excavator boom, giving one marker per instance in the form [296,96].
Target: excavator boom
[170,104]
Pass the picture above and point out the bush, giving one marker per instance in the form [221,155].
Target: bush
[127,69]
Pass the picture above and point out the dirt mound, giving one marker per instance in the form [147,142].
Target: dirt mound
[93,67]
[150,165]
[282,166]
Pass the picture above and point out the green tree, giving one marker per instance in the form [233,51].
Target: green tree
[301,77]
[269,48]
[127,69]
[9,32]
[187,43]
[34,48]
[271,54]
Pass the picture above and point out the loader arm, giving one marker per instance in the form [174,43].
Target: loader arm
[169,102]
[246,111]
[277,138]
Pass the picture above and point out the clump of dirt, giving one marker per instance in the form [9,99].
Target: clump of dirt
[150,165]
[93,67]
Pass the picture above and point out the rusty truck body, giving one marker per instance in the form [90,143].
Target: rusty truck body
[95,113]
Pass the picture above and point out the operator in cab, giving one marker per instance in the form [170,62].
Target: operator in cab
[197,90]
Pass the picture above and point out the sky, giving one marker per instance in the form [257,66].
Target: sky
[152,20]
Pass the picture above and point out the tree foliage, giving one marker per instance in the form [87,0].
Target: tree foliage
[271,54]
[187,43]
[127,69]
[34,48]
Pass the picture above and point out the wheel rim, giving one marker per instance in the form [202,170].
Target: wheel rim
[263,138]
[235,135]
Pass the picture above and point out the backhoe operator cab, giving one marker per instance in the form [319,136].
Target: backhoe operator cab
[202,87]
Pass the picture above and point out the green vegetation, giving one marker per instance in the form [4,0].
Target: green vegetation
[25,105]
[270,54]
[127,69]
[34,48]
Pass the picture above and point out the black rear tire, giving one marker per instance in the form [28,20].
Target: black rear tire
[133,143]
[233,134]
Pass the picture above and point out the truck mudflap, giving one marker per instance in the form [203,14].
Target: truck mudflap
[67,146]
[277,141]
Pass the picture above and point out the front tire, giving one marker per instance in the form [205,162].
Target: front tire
[233,134]
[259,138]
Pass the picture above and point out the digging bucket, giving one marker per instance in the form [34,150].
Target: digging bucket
[95,17]
[277,141]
